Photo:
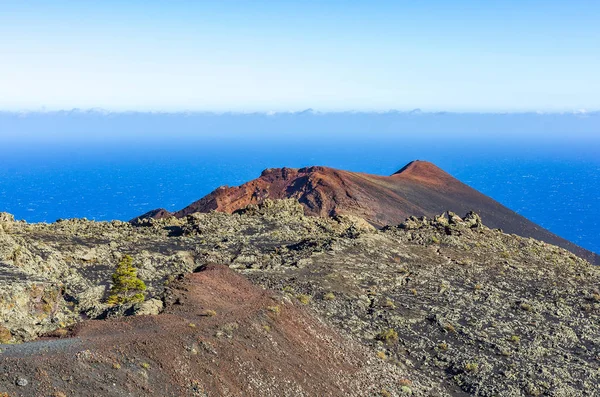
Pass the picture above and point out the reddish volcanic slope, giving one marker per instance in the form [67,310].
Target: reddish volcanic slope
[420,188]
[159,213]
[218,336]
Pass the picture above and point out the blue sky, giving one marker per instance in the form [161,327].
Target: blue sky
[282,55]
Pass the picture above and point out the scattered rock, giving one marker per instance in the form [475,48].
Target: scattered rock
[22,382]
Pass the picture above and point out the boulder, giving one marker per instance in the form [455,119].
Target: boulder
[151,307]
[411,223]
[441,220]
[5,217]
[454,219]
[473,220]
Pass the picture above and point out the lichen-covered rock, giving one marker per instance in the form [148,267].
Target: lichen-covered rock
[5,217]
[454,219]
[274,208]
[473,220]
[148,308]
[29,307]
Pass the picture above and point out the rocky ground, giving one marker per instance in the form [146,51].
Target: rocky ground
[442,307]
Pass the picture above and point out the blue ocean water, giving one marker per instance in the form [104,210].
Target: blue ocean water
[556,186]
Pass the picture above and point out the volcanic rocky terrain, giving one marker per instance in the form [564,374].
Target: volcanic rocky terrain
[418,189]
[271,302]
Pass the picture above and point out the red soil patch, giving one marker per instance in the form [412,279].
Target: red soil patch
[219,335]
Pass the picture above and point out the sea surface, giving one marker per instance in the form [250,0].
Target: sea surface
[555,185]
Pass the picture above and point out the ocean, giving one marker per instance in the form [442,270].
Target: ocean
[554,185]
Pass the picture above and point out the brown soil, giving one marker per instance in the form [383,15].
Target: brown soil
[219,335]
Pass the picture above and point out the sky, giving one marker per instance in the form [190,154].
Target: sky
[438,55]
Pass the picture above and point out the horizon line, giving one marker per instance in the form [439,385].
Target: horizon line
[311,111]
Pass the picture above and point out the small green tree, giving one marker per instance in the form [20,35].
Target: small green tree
[127,287]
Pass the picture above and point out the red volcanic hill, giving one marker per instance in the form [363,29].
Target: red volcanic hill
[420,188]
[252,344]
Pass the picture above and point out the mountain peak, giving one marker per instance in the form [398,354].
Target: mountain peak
[415,166]
[418,189]
[426,172]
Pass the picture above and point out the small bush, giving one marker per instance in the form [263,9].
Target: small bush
[526,307]
[515,339]
[329,296]
[449,328]
[303,298]
[209,313]
[387,336]
[381,355]
[127,287]
[471,367]
[274,309]
[288,289]
[61,332]
[389,304]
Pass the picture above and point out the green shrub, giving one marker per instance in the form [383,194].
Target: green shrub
[127,287]
[526,307]
[449,328]
[274,309]
[471,367]
[329,296]
[387,336]
[303,298]
[389,304]
[288,289]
